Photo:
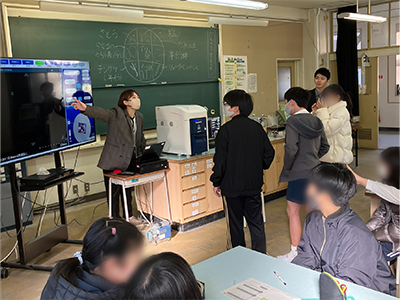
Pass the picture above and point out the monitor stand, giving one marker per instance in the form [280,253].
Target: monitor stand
[43,243]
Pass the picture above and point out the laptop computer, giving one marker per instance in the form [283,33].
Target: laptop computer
[151,153]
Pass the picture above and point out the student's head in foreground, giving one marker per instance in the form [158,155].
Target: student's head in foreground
[321,78]
[389,166]
[296,98]
[330,187]
[238,102]
[112,249]
[164,276]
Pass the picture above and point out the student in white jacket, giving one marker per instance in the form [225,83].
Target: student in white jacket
[334,110]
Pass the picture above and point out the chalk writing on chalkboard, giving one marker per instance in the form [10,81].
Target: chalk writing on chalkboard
[144,56]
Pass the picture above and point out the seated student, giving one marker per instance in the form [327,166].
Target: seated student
[110,254]
[164,276]
[335,239]
[384,223]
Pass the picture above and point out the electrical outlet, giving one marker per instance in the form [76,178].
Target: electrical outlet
[87,187]
[75,189]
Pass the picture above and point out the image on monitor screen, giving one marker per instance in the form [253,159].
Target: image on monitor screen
[36,112]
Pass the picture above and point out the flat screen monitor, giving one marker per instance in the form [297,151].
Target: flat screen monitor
[37,117]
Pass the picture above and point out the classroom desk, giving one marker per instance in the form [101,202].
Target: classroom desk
[128,181]
[234,266]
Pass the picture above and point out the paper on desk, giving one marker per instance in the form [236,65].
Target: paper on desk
[252,289]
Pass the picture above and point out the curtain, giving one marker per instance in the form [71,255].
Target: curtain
[346,57]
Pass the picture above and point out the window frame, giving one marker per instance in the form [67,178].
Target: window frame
[368,30]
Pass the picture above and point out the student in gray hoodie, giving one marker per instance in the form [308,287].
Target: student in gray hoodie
[305,144]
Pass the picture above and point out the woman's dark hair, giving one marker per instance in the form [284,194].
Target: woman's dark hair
[391,156]
[125,95]
[106,237]
[164,276]
[336,180]
[242,99]
[335,89]
[298,94]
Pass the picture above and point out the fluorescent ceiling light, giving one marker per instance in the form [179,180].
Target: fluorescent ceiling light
[90,9]
[236,21]
[362,17]
[235,3]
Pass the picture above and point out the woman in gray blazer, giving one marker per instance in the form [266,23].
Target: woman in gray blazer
[125,140]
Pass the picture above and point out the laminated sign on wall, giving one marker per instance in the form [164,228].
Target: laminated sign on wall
[235,73]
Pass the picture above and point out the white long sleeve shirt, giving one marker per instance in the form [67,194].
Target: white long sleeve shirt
[386,192]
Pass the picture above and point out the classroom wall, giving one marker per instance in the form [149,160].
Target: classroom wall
[263,46]
[389,106]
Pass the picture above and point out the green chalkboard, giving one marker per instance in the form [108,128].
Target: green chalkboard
[165,64]
[205,94]
[120,53]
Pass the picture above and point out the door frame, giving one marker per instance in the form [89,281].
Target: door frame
[297,73]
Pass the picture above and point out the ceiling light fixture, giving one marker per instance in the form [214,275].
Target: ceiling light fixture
[237,21]
[362,17]
[91,8]
[247,4]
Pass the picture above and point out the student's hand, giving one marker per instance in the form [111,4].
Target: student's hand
[79,105]
[321,104]
[360,180]
[314,108]
[217,191]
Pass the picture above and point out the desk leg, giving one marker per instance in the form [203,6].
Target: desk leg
[356,148]
[109,197]
[125,203]
[151,202]
[167,197]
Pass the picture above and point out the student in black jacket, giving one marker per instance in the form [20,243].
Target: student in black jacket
[242,152]
[321,80]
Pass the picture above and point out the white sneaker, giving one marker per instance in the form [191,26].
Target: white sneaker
[289,256]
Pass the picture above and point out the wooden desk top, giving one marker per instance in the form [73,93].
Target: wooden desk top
[356,127]
[130,177]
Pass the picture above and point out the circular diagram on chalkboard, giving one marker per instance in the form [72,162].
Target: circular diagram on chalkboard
[144,55]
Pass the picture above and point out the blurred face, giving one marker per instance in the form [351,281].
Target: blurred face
[133,102]
[317,199]
[383,170]
[119,271]
[331,99]
[320,81]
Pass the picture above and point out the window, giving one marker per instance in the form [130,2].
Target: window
[397,75]
[394,24]
[380,31]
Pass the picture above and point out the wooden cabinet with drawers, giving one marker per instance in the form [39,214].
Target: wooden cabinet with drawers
[271,176]
[190,190]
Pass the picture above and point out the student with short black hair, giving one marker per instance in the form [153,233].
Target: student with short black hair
[165,276]
[321,80]
[335,239]
[305,144]
[110,254]
[242,152]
